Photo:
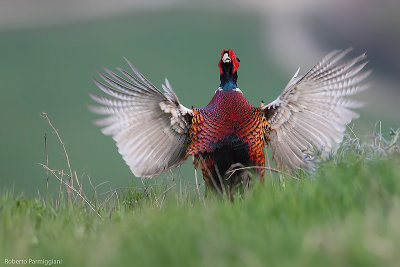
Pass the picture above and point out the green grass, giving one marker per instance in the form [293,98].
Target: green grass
[347,213]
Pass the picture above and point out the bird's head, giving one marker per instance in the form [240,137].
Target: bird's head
[228,65]
[228,62]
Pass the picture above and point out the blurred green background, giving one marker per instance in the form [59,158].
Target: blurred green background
[47,65]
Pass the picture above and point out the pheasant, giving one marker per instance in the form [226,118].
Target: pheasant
[154,132]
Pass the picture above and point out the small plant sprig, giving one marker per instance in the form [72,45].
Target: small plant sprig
[377,146]
[386,147]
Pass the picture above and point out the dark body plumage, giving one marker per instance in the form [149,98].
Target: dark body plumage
[154,132]
[228,131]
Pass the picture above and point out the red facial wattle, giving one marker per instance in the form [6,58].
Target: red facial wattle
[235,62]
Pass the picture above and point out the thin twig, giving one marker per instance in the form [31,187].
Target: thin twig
[165,192]
[102,183]
[352,131]
[269,168]
[108,198]
[72,188]
[197,183]
[211,176]
[91,184]
[118,189]
[79,184]
[220,179]
[60,188]
[44,115]
[77,180]
[47,160]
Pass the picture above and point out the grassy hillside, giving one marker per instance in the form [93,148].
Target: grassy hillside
[344,214]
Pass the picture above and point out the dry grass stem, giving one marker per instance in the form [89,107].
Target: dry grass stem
[220,180]
[269,168]
[47,160]
[71,188]
[44,115]
[197,183]
[212,179]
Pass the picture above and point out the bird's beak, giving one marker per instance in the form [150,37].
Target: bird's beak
[226,58]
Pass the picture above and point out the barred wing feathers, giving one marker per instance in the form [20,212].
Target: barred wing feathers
[150,128]
[313,110]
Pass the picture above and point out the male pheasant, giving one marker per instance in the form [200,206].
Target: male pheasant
[154,132]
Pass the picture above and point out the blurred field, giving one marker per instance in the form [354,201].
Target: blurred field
[51,69]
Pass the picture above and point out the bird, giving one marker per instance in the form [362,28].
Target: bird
[154,132]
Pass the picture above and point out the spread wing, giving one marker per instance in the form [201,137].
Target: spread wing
[150,127]
[313,110]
